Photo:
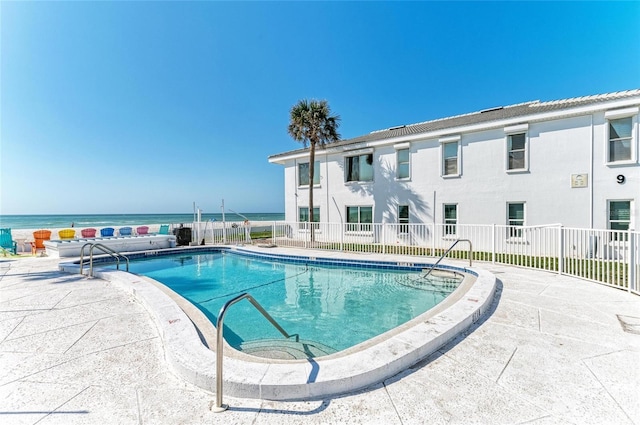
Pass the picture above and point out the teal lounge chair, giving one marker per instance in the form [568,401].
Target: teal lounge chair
[164,229]
[6,242]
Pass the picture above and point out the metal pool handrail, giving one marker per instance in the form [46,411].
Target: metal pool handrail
[447,252]
[219,407]
[104,249]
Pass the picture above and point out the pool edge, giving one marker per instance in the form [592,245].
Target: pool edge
[301,380]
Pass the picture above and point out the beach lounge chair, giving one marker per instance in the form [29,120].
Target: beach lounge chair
[142,230]
[39,237]
[164,229]
[88,233]
[125,231]
[7,242]
[107,231]
[67,234]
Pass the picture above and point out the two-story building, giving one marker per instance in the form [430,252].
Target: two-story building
[571,161]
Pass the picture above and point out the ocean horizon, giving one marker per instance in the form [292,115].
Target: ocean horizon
[56,221]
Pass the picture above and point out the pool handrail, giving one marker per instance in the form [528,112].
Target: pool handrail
[219,407]
[106,250]
[447,252]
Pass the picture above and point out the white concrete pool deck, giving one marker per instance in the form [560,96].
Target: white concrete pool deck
[552,350]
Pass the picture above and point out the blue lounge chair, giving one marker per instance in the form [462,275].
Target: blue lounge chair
[125,231]
[107,231]
[164,229]
[6,242]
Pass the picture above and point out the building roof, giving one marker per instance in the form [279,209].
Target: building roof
[496,114]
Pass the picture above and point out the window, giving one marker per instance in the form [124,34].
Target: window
[517,151]
[303,214]
[515,212]
[620,139]
[450,218]
[303,174]
[619,215]
[403,218]
[450,159]
[359,168]
[359,219]
[402,156]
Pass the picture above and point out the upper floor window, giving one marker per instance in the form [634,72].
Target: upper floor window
[359,218]
[515,218]
[450,159]
[450,156]
[620,139]
[517,147]
[450,218]
[402,157]
[359,168]
[303,174]
[621,135]
[517,151]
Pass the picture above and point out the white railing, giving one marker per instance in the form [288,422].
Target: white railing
[605,256]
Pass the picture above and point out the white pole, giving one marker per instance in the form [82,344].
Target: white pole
[199,220]
[224,226]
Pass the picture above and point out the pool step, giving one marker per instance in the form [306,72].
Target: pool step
[285,349]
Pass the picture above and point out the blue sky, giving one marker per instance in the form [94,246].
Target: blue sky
[147,107]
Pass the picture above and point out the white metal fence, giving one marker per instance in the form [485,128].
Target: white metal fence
[605,256]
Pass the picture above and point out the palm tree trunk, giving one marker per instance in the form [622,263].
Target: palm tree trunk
[312,160]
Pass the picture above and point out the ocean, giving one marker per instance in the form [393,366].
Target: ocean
[57,221]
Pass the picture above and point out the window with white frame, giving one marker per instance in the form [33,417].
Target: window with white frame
[619,215]
[359,168]
[515,218]
[359,219]
[517,151]
[450,218]
[303,173]
[402,160]
[620,138]
[403,218]
[450,159]
[450,156]
[303,217]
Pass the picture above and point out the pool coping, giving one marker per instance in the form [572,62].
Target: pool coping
[357,368]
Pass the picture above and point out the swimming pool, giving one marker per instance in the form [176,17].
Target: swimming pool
[329,307]
[248,376]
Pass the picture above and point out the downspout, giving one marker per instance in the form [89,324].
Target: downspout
[592,176]
[326,177]
[295,192]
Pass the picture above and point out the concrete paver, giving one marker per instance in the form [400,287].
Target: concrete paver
[551,351]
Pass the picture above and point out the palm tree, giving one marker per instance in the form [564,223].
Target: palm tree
[311,122]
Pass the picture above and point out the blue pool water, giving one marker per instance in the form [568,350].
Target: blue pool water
[336,306]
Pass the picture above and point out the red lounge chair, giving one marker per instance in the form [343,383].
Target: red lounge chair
[88,233]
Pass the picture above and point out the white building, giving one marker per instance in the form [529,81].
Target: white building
[571,161]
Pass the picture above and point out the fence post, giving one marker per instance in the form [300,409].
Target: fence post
[560,250]
[632,262]
[383,238]
[433,239]
[493,243]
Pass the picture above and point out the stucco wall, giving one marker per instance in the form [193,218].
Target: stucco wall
[557,149]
